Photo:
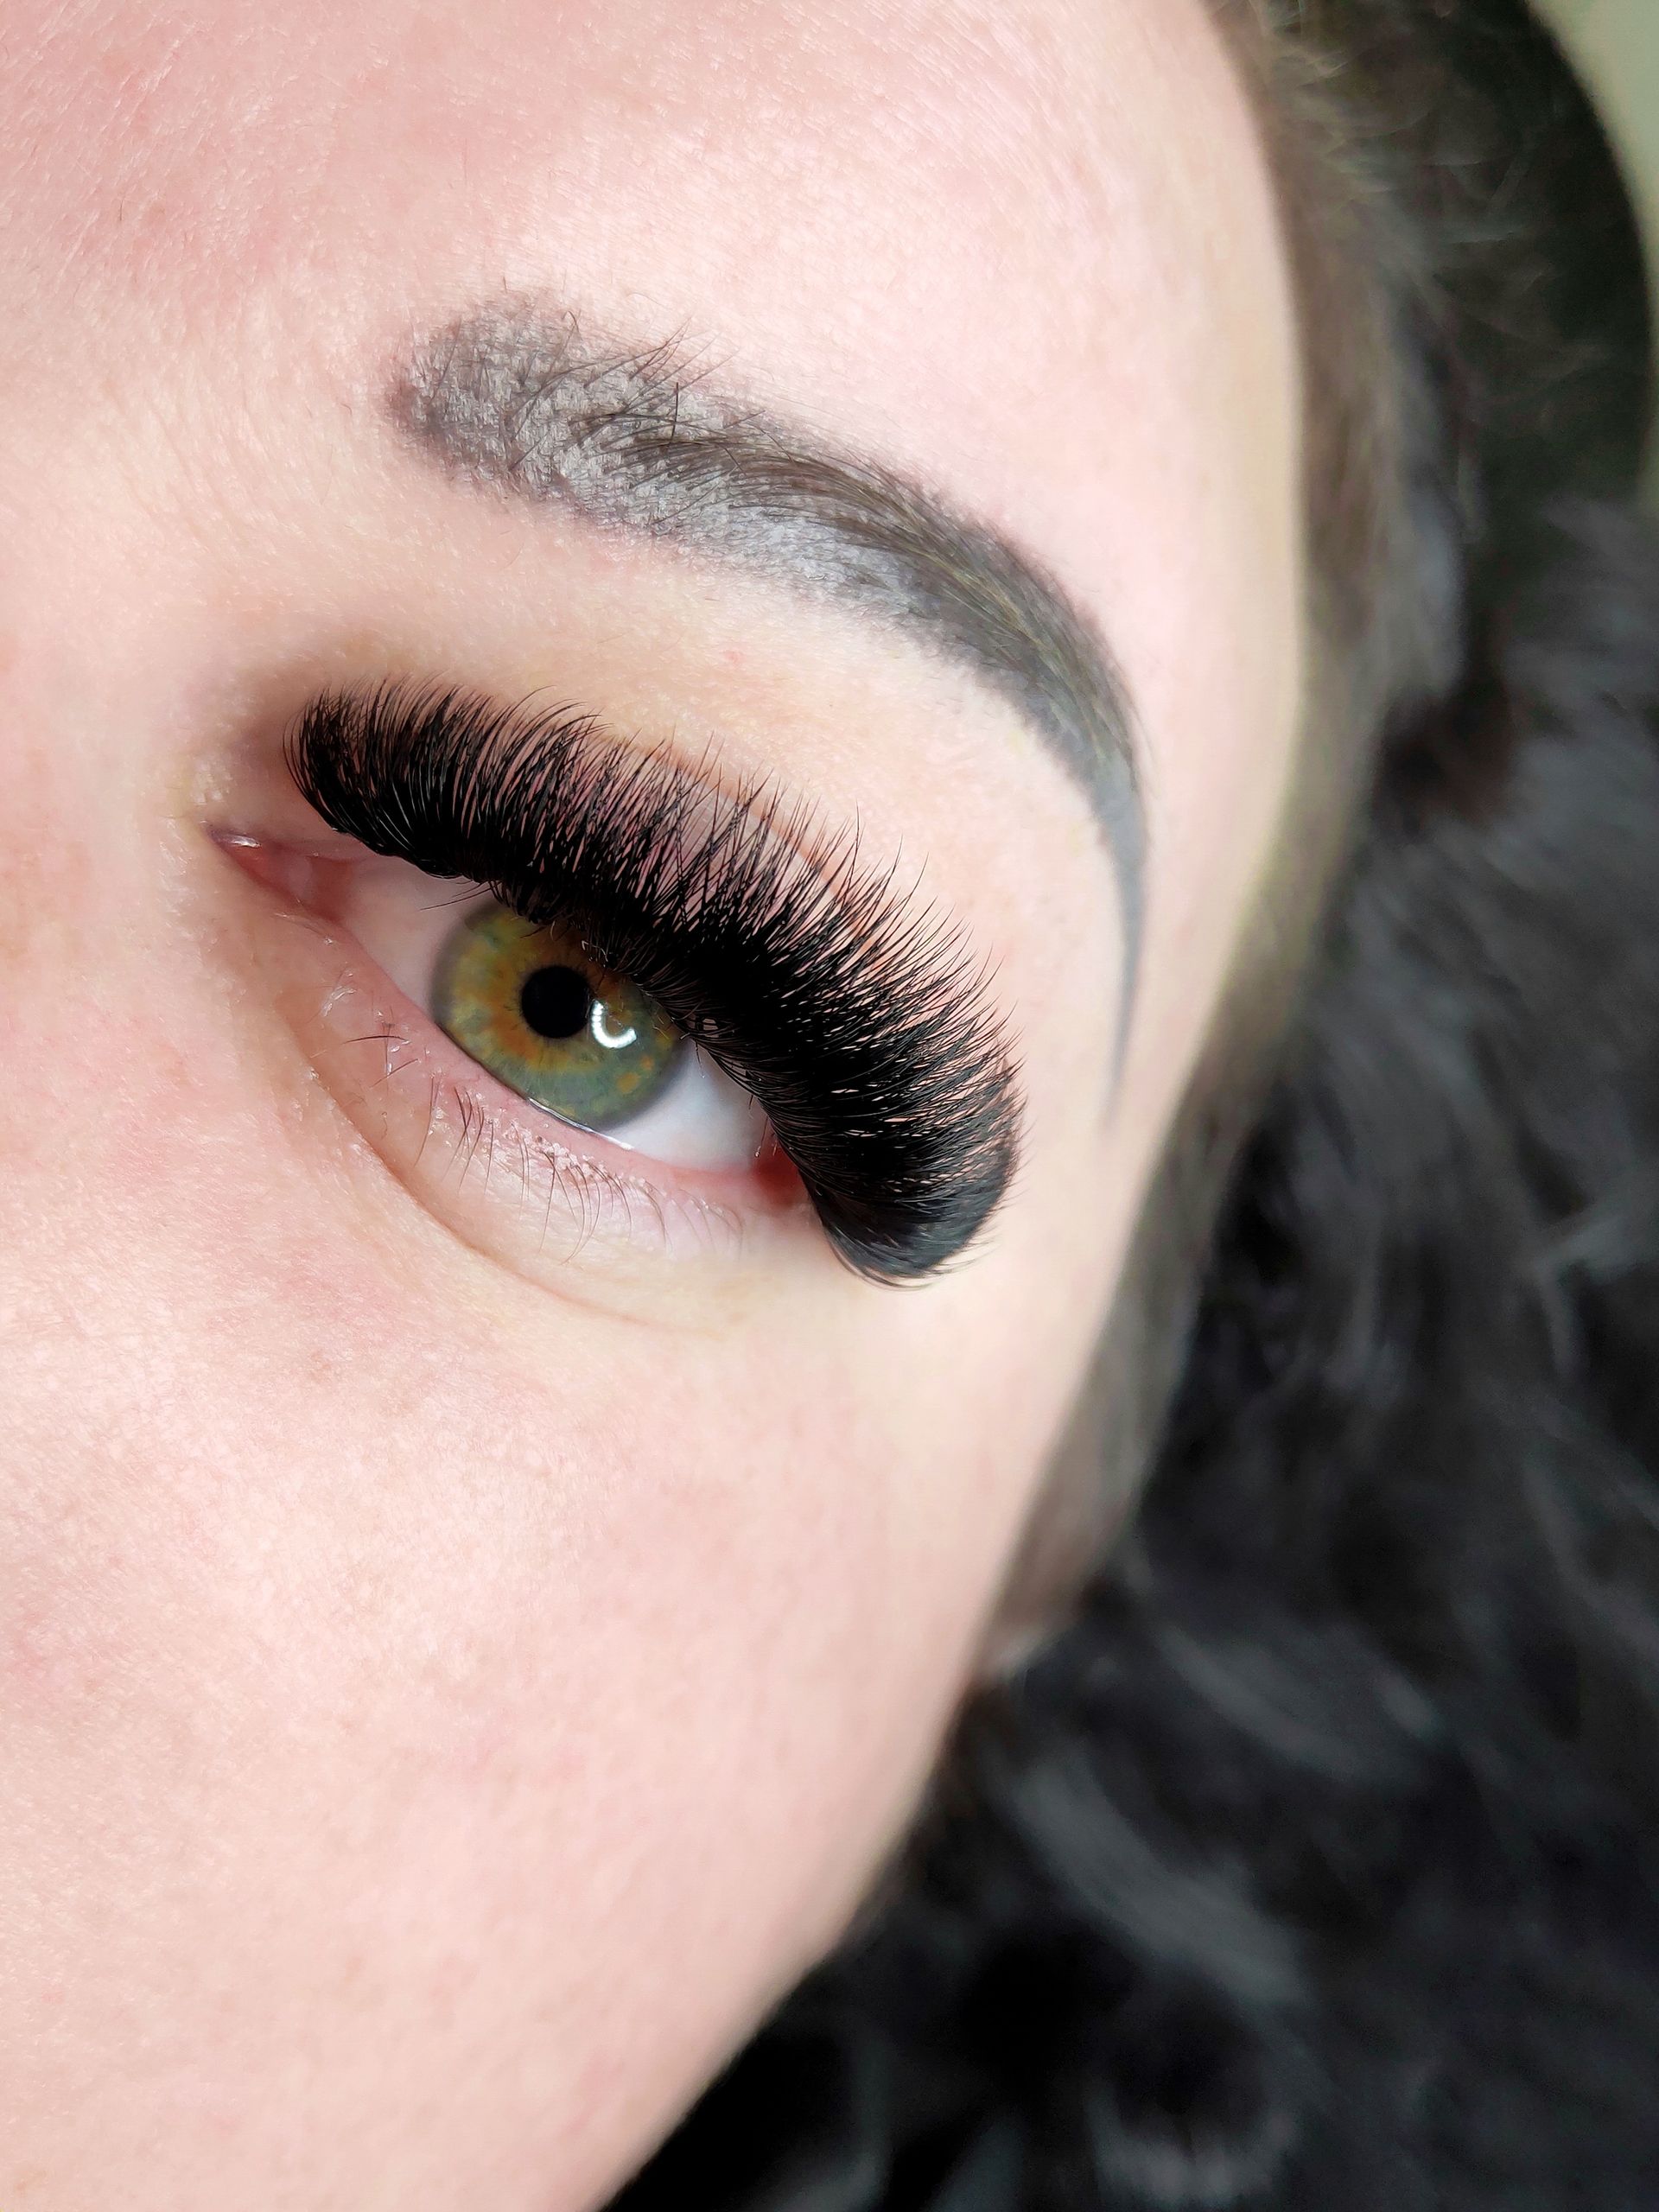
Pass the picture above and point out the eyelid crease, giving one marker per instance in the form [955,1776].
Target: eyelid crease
[860,1021]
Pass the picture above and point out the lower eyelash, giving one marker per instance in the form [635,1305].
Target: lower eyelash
[488,1141]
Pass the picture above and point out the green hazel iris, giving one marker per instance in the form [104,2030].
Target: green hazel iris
[546,1020]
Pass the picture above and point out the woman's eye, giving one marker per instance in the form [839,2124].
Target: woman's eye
[531,1005]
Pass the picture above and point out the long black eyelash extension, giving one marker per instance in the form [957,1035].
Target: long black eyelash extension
[859,1023]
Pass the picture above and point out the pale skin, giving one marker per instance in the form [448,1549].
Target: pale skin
[452,1680]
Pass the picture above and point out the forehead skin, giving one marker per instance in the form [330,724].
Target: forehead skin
[1025,251]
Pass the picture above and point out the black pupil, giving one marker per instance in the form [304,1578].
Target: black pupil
[556,1002]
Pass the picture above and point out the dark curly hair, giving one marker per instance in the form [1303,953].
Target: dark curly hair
[1313,1863]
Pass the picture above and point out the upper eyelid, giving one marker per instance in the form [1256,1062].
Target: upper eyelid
[806,856]
[756,807]
[523,396]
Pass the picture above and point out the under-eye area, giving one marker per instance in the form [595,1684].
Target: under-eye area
[592,970]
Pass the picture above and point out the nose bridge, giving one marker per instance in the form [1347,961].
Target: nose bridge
[116,575]
[66,820]
[78,764]
[94,970]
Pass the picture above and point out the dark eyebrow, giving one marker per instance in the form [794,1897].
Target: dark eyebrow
[516,396]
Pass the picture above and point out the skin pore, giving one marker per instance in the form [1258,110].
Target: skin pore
[462,1656]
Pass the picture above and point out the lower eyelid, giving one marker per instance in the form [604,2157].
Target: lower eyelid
[507,1178]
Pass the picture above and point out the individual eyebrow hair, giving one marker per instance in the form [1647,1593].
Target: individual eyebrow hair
[515,396]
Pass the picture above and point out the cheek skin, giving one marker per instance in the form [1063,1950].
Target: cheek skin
[430,1703]
[398,1669]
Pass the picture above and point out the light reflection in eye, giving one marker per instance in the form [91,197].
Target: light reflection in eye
[599,1023]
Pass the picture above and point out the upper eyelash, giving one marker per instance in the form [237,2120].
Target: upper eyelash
[859,1022]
